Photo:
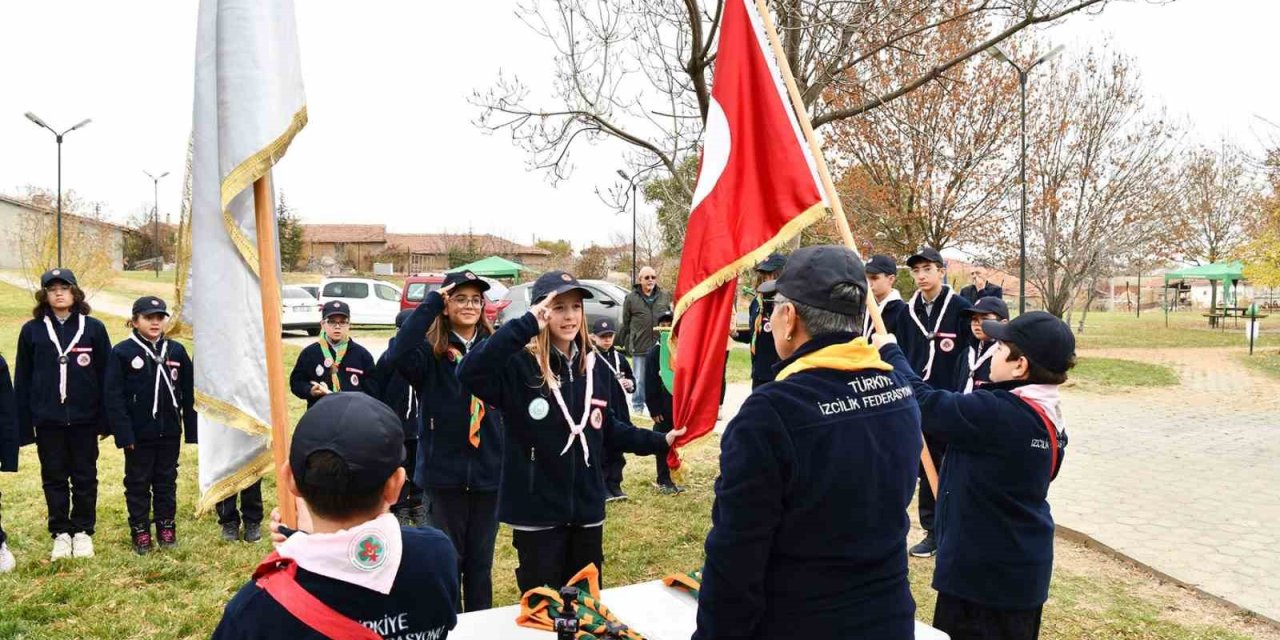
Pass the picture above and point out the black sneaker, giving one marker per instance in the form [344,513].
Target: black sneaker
[403,514]
[419,516]
[669,488]
[168,535]
[142,541]
[252,532]
[613,493]
[926,548]
[231,532]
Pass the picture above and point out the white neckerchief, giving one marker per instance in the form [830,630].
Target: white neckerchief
[976,361]
[408,413]
[929,335]
[576,428]
[615,367]
[1047,396]
[161,372]
[366,555]
[62,353]
[867,326]
[466,344]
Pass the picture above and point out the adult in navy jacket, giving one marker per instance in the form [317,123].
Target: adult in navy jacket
[460,460]
[555,402]
[1006,443]
[58,377]
[816,473]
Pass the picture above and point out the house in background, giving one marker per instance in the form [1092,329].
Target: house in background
[19,216]
[361,245]
[353,244]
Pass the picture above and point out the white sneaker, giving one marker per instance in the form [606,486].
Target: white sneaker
[7,563]
[82,545]
[61,547]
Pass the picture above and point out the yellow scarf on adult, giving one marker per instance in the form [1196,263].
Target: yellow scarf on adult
[854,355]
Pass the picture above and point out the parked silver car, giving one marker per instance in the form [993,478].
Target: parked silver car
[605,302]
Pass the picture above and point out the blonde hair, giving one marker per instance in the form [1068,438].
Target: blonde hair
[540,348]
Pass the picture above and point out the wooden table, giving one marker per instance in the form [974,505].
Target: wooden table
[652,608]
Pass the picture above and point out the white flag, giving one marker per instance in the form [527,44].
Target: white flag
[249,104]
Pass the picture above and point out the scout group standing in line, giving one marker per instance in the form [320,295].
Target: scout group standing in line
[524,426]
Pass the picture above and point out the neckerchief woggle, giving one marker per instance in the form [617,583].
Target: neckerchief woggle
[615,367]
[576,428]
[62,353]
[976,361]
[161,373]
[334,356]
[929,335]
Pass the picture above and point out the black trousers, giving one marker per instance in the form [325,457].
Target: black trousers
[614,462]
[470,519]
[552,557]
[964,620]
[151,482]
[69,473]
[410,494]
[250,507]
[664,472]
[927,502]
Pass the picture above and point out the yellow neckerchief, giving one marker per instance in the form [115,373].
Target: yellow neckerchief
[854,355]
[334,354]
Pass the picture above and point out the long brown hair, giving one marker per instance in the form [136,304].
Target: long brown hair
[438,332]
[78,305]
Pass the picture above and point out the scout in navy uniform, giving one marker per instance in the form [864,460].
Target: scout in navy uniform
[150,403]
[659,401]
[977,362]
[8,452]
[335,362]
[249,511]
[759,333]
[1006,443]
[555,400]
[972,292]
[397,393]
[602,335]
[460,461]
[62,360]
[934,334]
[816,473]
[882,275]
[352,571]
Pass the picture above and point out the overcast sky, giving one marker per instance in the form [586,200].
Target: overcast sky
[390,137]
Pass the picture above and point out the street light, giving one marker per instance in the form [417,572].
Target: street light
[58,136]
[1022,225]
[155,217]
[633,223]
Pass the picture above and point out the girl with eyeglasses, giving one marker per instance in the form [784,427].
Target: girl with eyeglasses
[334,362]
[555,399]
[459,461]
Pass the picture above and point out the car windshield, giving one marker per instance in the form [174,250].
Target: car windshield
[417,291]
[497,291]
[297,294]
[613,290]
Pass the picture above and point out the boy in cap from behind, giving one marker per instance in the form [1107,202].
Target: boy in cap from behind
[1005,445]
[603,332]
[357,573]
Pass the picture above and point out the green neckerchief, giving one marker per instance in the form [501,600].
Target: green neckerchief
[334,355]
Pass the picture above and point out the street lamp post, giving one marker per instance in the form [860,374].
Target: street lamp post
[58,136]
[155,217]
[633,223]
[1022,164]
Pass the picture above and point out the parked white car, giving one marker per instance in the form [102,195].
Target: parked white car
[300,310]
[373,302]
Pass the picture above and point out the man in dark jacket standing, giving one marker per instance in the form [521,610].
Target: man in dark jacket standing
[980,287]
[640,313]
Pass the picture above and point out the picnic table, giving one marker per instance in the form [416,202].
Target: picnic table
[655,610]
[1217,316]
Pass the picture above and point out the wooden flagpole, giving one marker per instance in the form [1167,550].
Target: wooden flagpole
[833,198]
[269,286]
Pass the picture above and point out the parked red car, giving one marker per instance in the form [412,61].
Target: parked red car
[417,286]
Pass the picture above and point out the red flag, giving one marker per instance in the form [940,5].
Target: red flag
[756,189]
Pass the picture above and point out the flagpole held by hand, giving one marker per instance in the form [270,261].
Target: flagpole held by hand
[833,198]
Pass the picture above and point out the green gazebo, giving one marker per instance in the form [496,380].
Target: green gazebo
[493,267]
[1226,272]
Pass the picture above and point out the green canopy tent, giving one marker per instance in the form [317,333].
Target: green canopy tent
[1226,272]
[493,267]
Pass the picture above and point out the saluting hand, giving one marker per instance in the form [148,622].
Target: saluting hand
[444,291]
[672,435]
[879,340]
[542,310]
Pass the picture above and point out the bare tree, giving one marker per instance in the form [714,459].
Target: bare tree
[639,71]
[1219,198]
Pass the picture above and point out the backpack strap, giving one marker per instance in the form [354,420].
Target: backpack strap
[279,578]
[1054,461]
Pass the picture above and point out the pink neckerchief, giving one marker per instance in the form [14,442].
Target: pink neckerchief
[576,428]
[1045,396]
[367,555]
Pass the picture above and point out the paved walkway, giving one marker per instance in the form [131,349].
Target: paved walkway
[1183,479]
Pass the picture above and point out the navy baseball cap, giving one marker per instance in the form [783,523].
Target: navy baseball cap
[1042,337]
[882,264]
[926,254]
[774,262]
[813,272]
[556,282]
[57,275]
[464,277]
[989,304]
[603,327]
[365,433]
[336,308]
[148,305]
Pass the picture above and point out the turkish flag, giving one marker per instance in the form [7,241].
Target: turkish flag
[757,188]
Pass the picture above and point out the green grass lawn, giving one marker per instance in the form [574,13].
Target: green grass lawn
[739,365]
[1112,374]
[1267,361]
[180,593]
[1105,329]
